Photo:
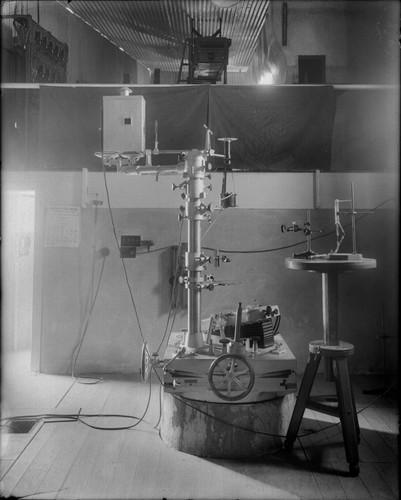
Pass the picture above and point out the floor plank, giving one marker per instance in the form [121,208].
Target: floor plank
[81,465]
[324,446]
[67,461]
[390,474]
[39,462]
[330,485]
[52,481]
[388,433]
[20,466]
[374,483]
[5,466]
[354,488]
[278,471]
[378,445]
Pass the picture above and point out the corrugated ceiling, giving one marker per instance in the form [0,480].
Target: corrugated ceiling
[154,32]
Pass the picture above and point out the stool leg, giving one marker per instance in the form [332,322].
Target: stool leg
[347,415]
[358,430]
[303,395]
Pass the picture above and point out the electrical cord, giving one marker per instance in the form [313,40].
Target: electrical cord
[212,224]
[79,416]
[127,280]
[173,292]
[121,258]
[61,418]
[125,269]
[78,348]
[268,249]
[308,433]
[232,178]
[335,424]
[126,277]
[169,315]
[126,274]
[69,416]
[160,406]
[92,301]
[299,243]
[127,426]
[153,251]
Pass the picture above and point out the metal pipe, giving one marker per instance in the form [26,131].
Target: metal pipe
[237,332]
[353,219]
[196,174]
[309,234]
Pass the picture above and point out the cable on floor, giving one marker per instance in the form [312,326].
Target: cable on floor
[79,416]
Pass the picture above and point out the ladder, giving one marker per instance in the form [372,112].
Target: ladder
[190,56]
[184,61]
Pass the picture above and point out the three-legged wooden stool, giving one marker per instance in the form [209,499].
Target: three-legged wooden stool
[345,408]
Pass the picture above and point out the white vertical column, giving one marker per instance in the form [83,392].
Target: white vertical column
[195,193]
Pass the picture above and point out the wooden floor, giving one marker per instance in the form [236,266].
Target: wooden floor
[68,460]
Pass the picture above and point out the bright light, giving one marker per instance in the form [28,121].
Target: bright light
[225,4]
[266,78]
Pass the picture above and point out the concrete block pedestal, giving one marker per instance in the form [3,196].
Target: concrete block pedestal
[225,430]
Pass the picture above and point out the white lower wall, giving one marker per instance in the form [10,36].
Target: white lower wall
[149,208]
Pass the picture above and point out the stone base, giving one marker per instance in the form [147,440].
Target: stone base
[207,429]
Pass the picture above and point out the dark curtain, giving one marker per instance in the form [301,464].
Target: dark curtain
[278,128]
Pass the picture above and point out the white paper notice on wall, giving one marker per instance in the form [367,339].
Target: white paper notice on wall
[63,226]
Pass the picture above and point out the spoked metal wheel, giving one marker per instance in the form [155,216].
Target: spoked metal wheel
[231,377]
[146,363]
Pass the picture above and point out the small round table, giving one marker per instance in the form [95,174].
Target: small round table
[330,267]
[332,350]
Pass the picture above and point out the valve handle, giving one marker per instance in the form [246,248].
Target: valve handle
[231,377]
[146,363]
[295,228]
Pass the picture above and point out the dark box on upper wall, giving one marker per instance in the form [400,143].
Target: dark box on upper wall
[34,54]
[20,110]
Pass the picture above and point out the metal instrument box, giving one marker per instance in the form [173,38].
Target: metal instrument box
[124,124]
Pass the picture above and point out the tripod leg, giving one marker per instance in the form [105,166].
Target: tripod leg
[303,395]
[347,414]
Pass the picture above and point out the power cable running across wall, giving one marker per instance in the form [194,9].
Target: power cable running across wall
[267,250]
